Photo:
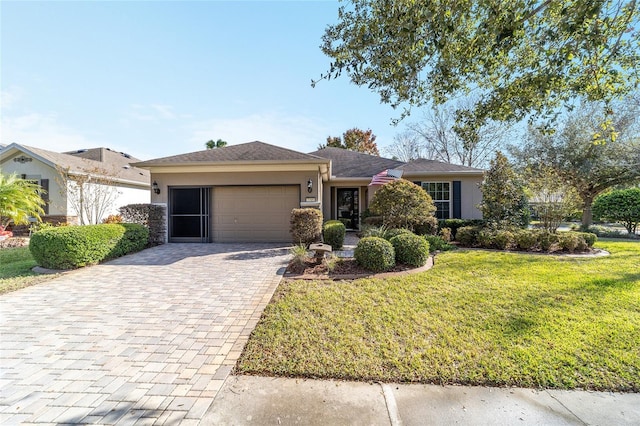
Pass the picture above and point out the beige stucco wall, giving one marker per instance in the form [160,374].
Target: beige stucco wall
[166,180]
[470,193]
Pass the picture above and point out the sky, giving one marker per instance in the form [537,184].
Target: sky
[159,78]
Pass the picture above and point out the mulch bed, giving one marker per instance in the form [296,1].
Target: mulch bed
[344,267]
[14,242]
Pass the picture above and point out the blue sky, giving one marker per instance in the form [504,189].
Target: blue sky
[158,78]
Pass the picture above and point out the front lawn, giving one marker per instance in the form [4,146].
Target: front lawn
[476,318]
[15,269]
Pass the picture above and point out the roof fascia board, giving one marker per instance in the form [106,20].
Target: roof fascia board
[237,167]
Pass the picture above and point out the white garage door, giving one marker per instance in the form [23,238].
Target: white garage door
[253,213]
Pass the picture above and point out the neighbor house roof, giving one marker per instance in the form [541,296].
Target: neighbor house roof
[352,164]
[250,152]
[114,165]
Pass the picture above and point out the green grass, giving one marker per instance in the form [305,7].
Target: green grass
[15,269]
[476,318]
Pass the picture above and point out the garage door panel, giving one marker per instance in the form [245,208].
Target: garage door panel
[253,213]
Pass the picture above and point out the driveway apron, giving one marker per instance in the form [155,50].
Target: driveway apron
[145,339]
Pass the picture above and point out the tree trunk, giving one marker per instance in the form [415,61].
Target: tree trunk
[587,214]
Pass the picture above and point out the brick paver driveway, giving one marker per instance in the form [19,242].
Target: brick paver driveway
[146,339]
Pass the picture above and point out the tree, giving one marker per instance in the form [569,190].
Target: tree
[403,204]
[210,144]
[585,154]
[551,199]
[406,147]
[20,199]
[354,140]
[444,140]
[504,203]
[521,57]
[91,193]
[620,206]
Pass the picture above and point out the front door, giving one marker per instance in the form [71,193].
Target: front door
[189,214]
[347,203]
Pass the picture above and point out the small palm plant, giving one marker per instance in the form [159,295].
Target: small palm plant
[20,199]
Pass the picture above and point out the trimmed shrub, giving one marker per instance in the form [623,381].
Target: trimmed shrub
[390,233]
[589,238]
[410,249]
[467,236]
[485,238]
[402,204]
[503,240]
[72,247]
[428,227]
[437,243]
[333,233]
[375,254]
[569,241]
[526,239]
[455,224]
[547,240]
[306,225]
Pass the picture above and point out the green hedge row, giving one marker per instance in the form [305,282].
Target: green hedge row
[73,247]
[525,239]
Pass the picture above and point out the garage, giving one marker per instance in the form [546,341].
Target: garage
[253,213]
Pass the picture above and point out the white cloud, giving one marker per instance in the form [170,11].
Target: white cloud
[296,132]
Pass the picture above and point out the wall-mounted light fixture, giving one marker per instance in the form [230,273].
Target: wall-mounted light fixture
[155,187]
[309,186]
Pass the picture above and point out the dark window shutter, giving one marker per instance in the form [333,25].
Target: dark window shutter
[23,176]
[457,199]
[44,184]
[418,183]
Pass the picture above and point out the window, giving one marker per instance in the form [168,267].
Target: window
[440,192]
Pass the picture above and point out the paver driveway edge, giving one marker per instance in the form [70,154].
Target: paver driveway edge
[145,339]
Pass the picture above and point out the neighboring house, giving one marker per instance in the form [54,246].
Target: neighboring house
[246,192]
[109,180]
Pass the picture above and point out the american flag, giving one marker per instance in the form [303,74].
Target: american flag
[386,176]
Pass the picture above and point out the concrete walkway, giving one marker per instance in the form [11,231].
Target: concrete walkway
[145,339]
[247,400]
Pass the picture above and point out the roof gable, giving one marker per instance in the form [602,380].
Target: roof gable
[249,152]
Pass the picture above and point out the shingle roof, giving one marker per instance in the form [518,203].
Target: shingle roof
[422,165]
[245,152]
[345,163]
[114,165]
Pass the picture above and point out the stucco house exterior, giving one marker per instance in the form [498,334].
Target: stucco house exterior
[108,176]
[246,192]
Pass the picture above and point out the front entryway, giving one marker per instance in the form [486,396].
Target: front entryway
[347,204]
[189,214]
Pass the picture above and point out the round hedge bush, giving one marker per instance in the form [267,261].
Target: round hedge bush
[71,247]
[390,233]
[375,254]
[410,249]
[333,233]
